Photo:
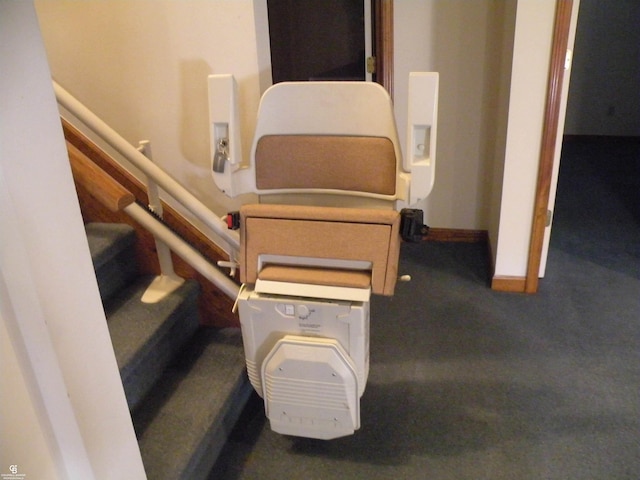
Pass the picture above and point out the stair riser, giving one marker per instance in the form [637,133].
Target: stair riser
[205,457]
[185,385]
[116,274]
[148,366]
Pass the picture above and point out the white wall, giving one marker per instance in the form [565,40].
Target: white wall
[141,66]
[76,416]
[22,440]
[531,57]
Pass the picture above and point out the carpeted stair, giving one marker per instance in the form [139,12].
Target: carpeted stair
[185,384]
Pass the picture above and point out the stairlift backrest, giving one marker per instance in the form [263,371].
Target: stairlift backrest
[320,139]
[327,162]
[326,109]
[348,139]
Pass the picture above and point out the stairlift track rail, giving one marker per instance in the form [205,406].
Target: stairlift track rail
[172,187]
[131,153]
[183,250]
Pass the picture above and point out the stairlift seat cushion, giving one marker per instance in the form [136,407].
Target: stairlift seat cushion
[321,233]
[316,276]
[332,162]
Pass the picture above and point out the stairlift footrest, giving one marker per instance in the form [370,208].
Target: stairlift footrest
[313,291]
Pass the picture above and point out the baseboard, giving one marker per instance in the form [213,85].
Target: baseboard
[499,283]
[456,235]
[505,283]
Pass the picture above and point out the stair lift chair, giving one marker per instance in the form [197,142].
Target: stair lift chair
[326,164]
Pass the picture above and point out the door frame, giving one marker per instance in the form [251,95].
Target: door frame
[562,24]
[383,37]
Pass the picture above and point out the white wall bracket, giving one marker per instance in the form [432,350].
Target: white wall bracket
[422,123]
[224,131]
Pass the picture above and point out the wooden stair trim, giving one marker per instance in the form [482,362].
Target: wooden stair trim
[100,185]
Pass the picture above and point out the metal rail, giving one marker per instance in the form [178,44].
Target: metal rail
[131,153]
[157,177]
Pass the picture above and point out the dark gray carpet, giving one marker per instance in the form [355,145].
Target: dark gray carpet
[467,383]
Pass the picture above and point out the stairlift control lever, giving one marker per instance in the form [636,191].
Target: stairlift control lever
[233,266]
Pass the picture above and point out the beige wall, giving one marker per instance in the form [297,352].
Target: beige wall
[142,65]
[493,58]
[463,41]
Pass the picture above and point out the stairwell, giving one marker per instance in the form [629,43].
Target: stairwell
[185,384]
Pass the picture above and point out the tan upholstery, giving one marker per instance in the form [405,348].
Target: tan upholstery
[361,164]
[321,232]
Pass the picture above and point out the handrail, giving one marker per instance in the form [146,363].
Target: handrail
[111,194]
[184,250]
[116,197]
[128,151]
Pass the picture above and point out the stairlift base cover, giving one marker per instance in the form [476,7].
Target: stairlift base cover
[308,359]
[265,319]
[311,388]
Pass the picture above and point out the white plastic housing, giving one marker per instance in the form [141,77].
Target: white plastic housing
[422,124]
[311,388]
[224,124]
[321,108]
[265,319]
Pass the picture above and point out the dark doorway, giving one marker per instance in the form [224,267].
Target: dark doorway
[597,208]
[317,40]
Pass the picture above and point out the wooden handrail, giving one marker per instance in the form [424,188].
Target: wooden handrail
[97,182]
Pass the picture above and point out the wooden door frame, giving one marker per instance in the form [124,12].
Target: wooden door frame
[559,44]
[382,11]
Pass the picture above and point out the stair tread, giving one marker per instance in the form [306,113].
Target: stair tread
[135,327]
[186,385]
[188,414]
[106,240]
